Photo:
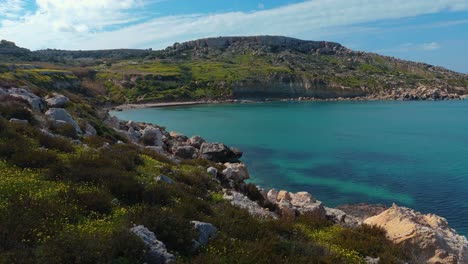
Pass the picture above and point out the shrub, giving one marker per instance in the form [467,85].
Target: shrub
[66,130]
[79,245]
[173,230]
[91,199]
[253,193]
[13,107]
[57,143]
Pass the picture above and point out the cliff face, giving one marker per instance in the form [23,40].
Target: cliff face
[286,85]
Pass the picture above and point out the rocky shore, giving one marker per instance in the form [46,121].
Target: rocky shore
[429,236]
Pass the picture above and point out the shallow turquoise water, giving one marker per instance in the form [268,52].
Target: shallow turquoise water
[410,153]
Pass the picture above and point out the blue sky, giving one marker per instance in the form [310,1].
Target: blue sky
[431,31]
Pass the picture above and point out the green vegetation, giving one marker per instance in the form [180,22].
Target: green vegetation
[67,203]
[64,203]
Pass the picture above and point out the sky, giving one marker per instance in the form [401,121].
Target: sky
[431,31]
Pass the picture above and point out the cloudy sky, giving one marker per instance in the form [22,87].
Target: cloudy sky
[432,31]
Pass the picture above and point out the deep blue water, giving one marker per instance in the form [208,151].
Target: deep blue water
[410,153]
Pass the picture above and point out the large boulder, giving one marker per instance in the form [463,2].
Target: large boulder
[196,141]
[236,172]
[59,115]
[151,136]
[205,232]
[430,237]
[218,152]
[185,152]
[292,204]
[157,253]
[36,102]
[57,101]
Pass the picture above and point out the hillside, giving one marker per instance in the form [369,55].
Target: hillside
[256,67]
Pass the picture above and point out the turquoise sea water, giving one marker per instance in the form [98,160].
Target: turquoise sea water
[411,153]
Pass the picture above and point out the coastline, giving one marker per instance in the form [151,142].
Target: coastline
[294,99]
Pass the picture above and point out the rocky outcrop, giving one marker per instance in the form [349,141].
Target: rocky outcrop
[36,102]
[421,92]
[151,136]
[205,232]
[57,101]
[236,172]
[218,152]
[291,205]
[429,235]
[185,152]
[196,141]
[61,115]
[242,201]
[157,253]
[362,211]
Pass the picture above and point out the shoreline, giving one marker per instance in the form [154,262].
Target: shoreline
[246,101]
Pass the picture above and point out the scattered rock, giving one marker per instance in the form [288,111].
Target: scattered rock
[371,260]
[185,152]
[292,204]
[236,172]
[152,136]
[164,178]
[178,136]
[196,141]
[242,201]
[19,121]
[340,217]
[157,253]
[60,114]
[57,101]
[90,130]
[218,152]
[159,150]
[205,232]
[271,196]
[213,171]
[434,241]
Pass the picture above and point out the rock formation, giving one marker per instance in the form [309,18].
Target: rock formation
[429,235]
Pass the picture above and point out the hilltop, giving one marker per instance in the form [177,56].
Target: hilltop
[254,67]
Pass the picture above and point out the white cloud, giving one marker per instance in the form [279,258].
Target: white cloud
[411,47]
[11,8]
[430,46]
[86,24]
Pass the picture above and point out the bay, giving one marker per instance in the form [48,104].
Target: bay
[410,153]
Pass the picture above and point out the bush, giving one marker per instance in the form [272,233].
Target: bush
[173,230]
[57,143]
[66,130]
[74,245]
[12,107]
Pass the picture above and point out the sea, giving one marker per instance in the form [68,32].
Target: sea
[412,153]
